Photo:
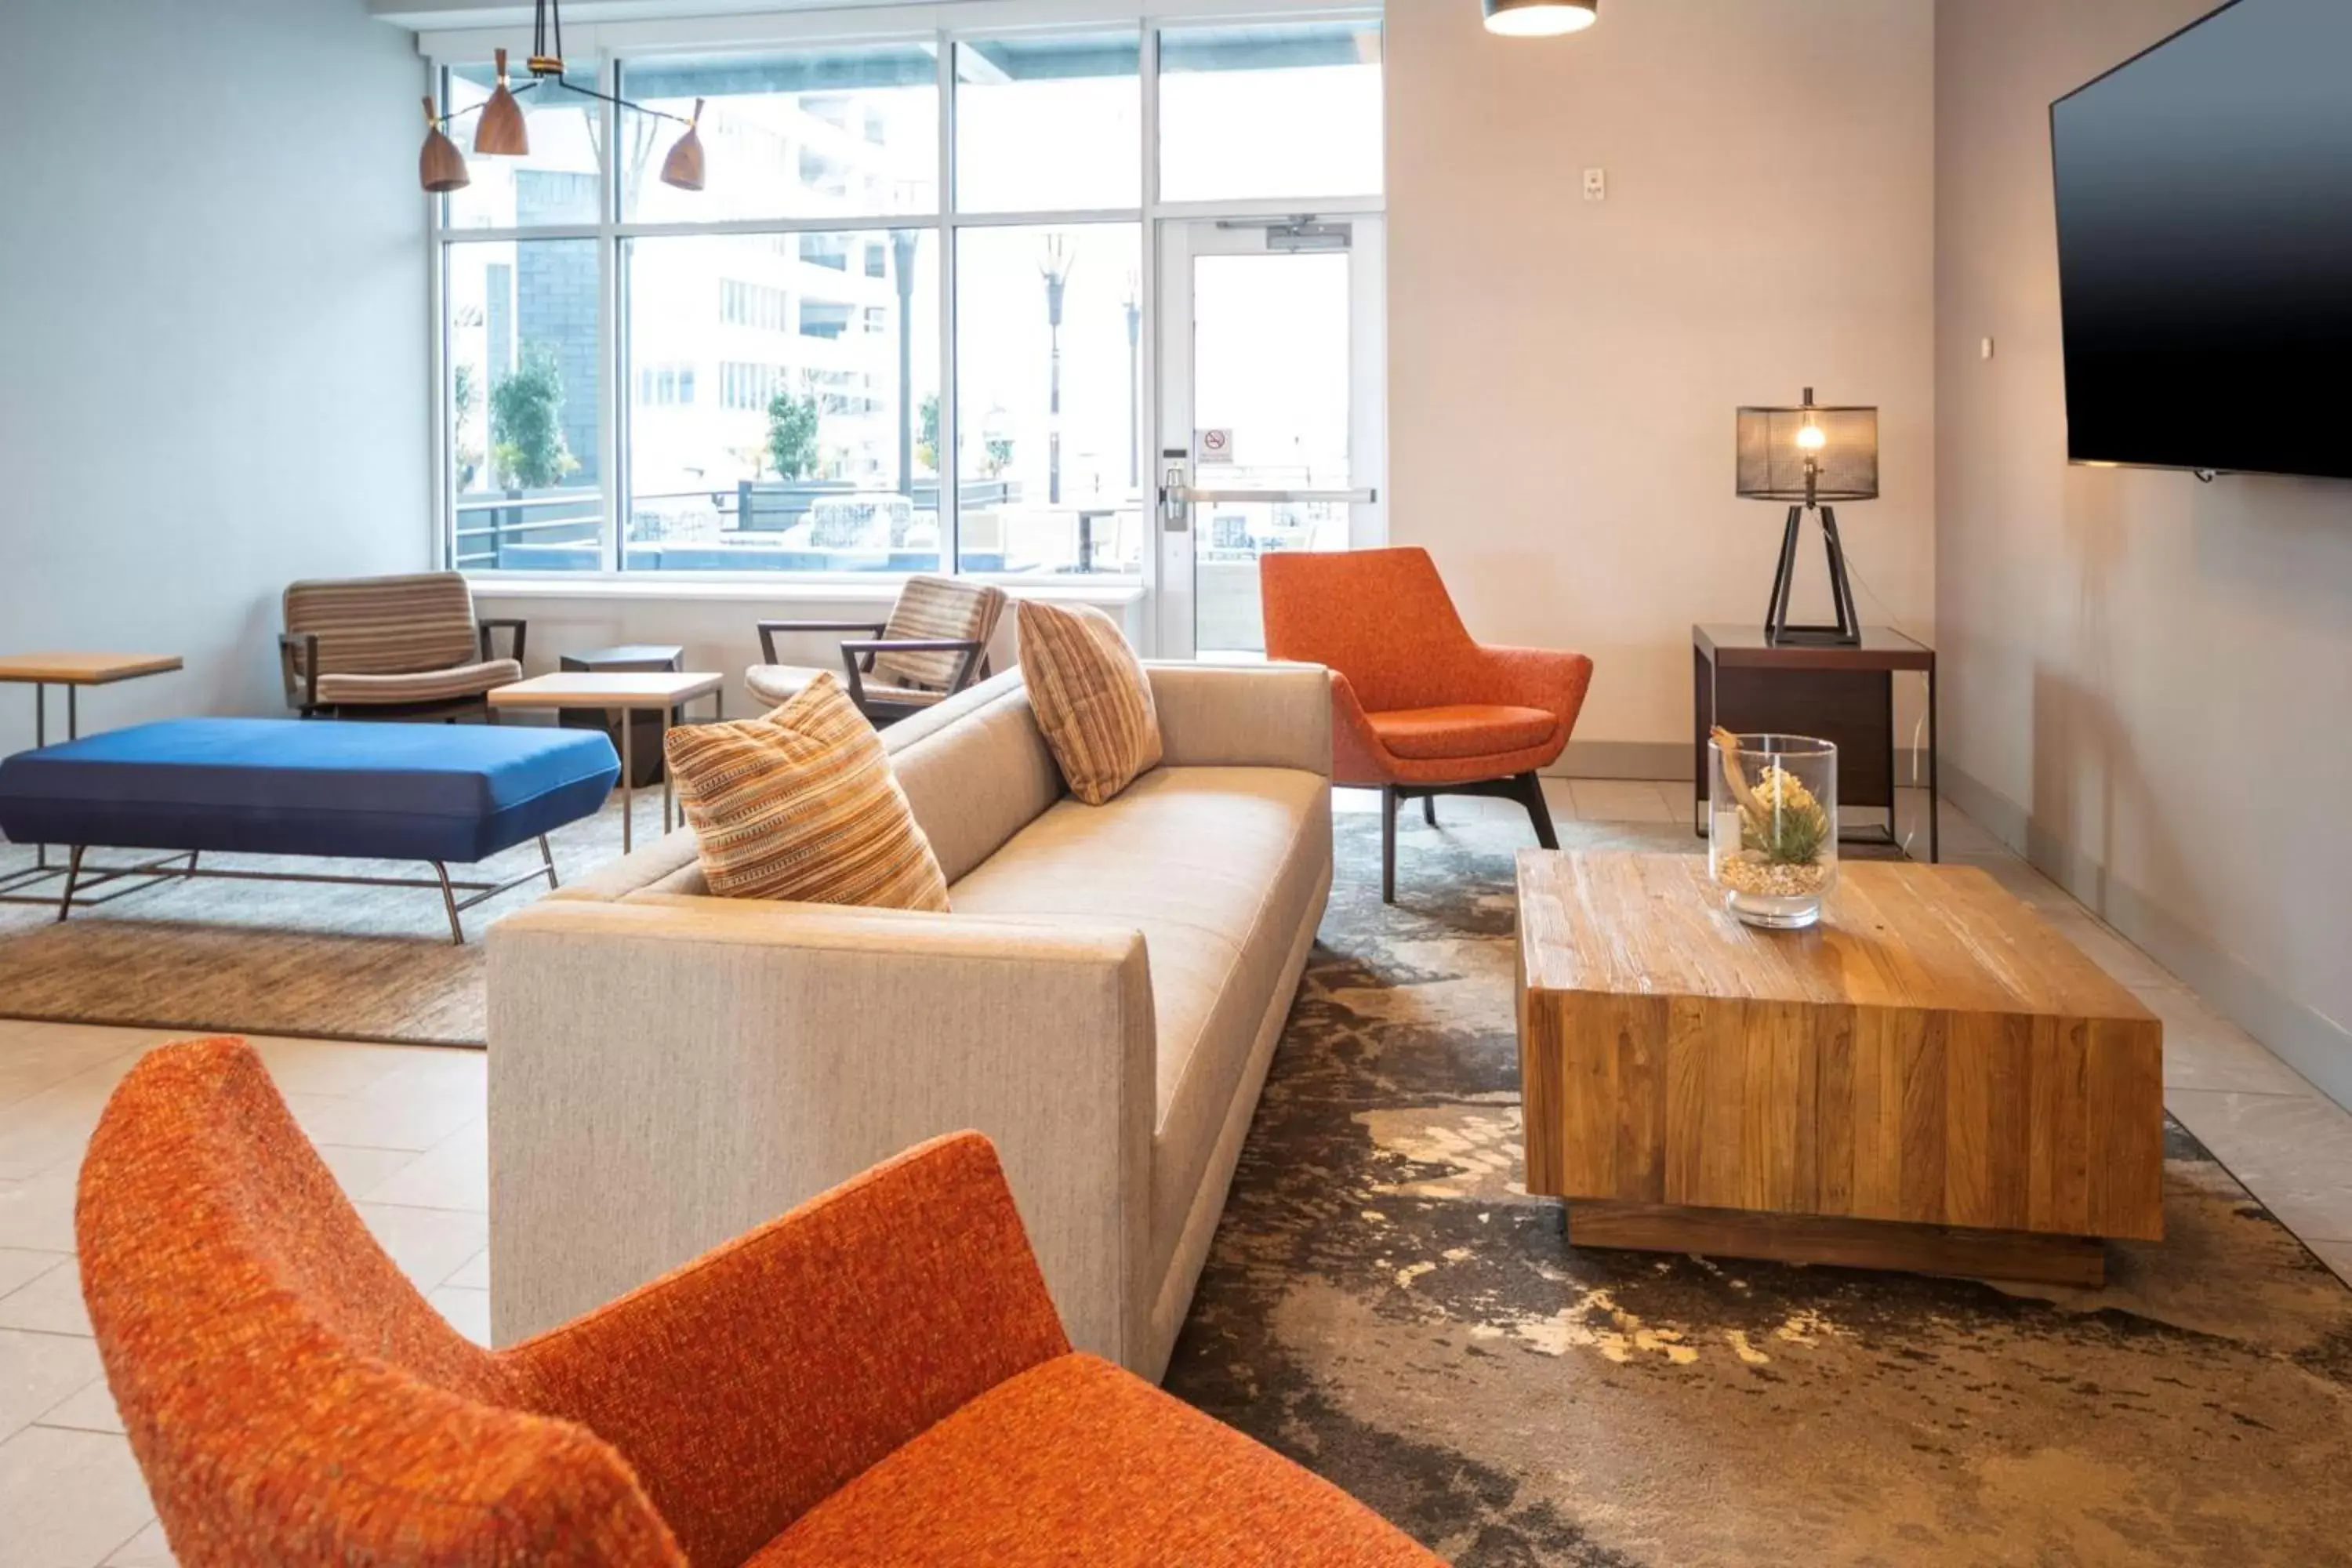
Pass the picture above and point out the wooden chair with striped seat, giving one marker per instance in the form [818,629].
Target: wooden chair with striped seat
[392,648]
[933,646]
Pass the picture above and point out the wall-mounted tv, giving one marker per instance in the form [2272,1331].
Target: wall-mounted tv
[2205,247]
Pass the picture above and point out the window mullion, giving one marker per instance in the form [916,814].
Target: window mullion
[612,328]
[949,458]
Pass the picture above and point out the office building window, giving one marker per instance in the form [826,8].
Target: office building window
[774,347]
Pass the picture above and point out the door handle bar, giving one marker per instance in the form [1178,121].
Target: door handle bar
[1347,498]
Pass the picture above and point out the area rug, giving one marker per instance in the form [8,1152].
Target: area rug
[317,959]
[1384,1304]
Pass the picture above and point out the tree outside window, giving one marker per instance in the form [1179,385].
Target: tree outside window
[527,445]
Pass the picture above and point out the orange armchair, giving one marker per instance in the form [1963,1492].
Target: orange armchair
[1418,708]
[877,1377]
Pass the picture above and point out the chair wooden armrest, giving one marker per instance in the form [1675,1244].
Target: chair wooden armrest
[515,626]
[768,630]
[858,658]
[298,665]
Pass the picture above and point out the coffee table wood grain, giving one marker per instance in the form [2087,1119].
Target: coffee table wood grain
[1933,1078]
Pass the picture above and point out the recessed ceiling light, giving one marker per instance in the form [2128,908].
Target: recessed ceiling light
[1540,18]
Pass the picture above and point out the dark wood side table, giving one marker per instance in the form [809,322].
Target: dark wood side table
[631,658]
[1844,695]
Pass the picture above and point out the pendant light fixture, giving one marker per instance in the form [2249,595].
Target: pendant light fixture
[499,133]
[683,167]
[502,133]
[1540,18]
[440,166]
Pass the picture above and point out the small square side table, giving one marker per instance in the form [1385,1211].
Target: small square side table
[633,658]
[1845,694]
[73,671]
[662,693]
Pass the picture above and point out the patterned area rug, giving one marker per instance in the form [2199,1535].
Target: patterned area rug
[281,958]
[1384,1305]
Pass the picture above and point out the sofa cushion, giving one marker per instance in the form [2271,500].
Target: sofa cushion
[1217,928]
[936,609]
[1462,730]
[802,804]
[976,770]
[1091,698]
[1076,1461]
[386,625]
[421,686]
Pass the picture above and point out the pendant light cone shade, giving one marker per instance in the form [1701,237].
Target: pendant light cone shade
[1540,18]
[683,167]
[499,133]
[440,166]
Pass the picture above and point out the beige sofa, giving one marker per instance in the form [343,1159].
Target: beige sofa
[670,1069]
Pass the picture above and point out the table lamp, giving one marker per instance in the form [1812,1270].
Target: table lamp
[1810,457]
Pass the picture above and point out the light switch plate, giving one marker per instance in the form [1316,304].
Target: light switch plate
[1596,184]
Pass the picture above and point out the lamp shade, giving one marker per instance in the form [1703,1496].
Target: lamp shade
[440,165]
[1540,18]
[1809,453]
[683,167]
[499,133]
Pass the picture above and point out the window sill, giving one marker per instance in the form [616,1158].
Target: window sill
[1104,591]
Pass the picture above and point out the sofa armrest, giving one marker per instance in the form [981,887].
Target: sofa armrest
[753,1383]
[668,1072]
[1257,715]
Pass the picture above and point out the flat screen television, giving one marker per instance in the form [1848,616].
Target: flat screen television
[2205,247]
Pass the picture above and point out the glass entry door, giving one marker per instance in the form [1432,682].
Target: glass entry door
[1273,413]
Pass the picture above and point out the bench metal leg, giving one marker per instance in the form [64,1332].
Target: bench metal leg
[449,902]
[548,855]
[73,875]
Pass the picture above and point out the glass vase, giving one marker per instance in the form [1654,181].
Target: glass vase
[1772,827]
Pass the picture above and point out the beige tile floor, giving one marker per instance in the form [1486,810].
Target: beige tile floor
[403,1130]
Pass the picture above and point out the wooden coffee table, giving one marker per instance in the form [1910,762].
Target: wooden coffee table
[662,692]
[1931,1079]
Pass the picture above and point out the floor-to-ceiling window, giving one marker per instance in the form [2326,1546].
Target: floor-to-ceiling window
[906,325]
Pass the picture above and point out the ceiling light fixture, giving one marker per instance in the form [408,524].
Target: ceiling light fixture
[502,133]
[1540,18]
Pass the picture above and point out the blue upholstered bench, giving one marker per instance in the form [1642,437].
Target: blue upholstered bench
[435,793]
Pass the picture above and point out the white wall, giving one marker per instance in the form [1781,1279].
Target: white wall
[213,370]
[2150,683]
[1563,374]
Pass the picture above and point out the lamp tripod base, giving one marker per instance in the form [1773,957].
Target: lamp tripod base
[1847,632]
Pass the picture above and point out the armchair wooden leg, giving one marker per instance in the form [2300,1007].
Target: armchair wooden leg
[1391,796]
[1528,790]
[1429,809]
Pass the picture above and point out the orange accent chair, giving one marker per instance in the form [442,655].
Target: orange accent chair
[1418,708]
[877,1377]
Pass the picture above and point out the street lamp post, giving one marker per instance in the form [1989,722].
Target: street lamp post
[1061,254]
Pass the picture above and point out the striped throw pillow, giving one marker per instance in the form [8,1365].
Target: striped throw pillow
[802,804]
[1091,698]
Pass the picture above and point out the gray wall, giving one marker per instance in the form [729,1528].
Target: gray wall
[213,370]
[1563,373]
[2150,680]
